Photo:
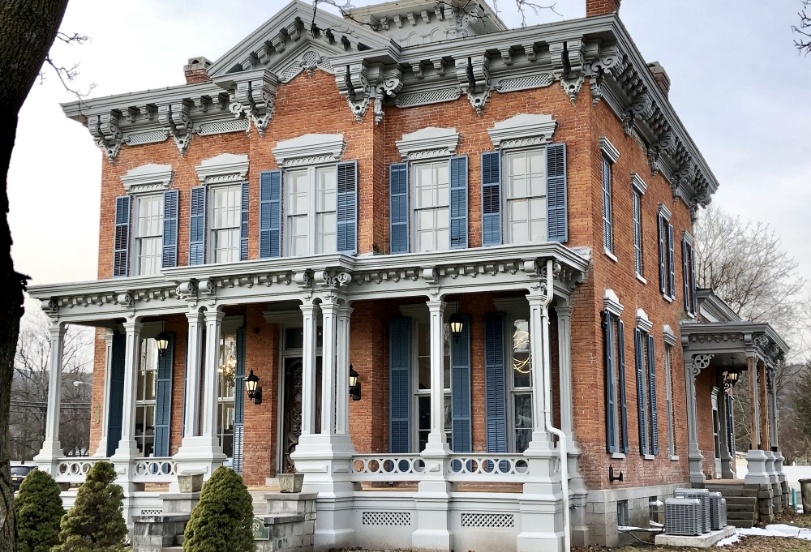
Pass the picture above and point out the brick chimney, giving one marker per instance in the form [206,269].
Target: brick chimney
[197,70]
[601,7]
[660,75]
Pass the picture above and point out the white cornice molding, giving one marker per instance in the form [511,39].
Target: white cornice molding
[428,143]
[147,178]
[226,167]
[664,211]
[642,321]
[309,149]
[292,317]
[608,149]
[638,183]
[611,302]
[524,129]
[688,237]
[669,335]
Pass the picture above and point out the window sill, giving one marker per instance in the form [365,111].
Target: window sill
[674,458]
[610,255]
[667,298]
[641,279]
[618,456]
[690,315]
[648,457]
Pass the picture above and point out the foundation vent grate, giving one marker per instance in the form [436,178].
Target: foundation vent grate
[490,521]
[399,519]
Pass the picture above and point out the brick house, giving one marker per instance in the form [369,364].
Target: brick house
[490,229]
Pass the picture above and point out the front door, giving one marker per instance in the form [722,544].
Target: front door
[291,407]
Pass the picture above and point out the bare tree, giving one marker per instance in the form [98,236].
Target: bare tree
[803,31]
[31,382]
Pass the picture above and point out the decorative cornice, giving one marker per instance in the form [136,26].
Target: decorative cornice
[523,129]
[107,133]
[226,167]
[638,184]
[611,302]
[608,149]
[147,178]
[665,212]
[669,335]
[309,149]
[473,74]
[642,321]
[176,121]
[428,143]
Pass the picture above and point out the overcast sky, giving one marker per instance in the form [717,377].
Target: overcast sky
[738,85]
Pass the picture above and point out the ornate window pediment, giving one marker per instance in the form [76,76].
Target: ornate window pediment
[223,168]
[309,149]
[147,178]
[524,129]
[428,143]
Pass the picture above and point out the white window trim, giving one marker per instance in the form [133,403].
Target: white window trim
[638,186]
[505,198]
[667,215]
[670,341]
[309,149]
[609,150]
[686,236]
[210,216]
[611,303]
[610,154]
[412,182]
[645,326]
[135,207]
[312,212]
[523,130]
[428,143]
[226,168]
[147,179]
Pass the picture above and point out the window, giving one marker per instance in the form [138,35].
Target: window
[525,196]
[610,156]
[671,434]
[622,513]
[614,359]
[148,235]
[226,383]
[689,274]
[645,363]
[667,261]
[431,206]
[520,385]
[145,397]
[311,210]
[226,210]
[422,387]
[638,188]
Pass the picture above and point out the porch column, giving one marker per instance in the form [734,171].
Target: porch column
[48,457]
[774,441]
[695,458]
[764,408]
[101,451]
[437,443]
[727,458]
[328,366]
[757,473]
[193,358]
[308,369]
[127,447]
[211,382]
[577,485]
[342,371]
[541,440]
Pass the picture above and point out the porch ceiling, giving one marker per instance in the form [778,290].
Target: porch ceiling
[731,343]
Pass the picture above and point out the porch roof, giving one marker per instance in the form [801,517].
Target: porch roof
[732,342]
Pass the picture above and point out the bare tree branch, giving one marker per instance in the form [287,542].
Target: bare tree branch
[65,74]
[803,42]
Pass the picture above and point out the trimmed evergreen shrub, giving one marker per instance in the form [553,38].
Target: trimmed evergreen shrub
[95,523]
[223,517]
[39,512]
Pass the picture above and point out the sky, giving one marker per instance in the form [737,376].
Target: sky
[738,85]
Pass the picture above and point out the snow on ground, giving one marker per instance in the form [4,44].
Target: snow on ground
[770,531]
[793,473]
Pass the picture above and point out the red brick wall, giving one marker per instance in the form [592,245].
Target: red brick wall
[601,7]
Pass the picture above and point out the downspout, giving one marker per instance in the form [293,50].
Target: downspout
[547,374]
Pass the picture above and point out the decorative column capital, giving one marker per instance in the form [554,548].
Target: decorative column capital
[214,315]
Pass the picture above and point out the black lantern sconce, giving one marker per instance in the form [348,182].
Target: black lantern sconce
[253,389]
[731,378]
[457,323]
[162,341]
[354,384]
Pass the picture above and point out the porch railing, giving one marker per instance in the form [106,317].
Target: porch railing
[74,469]
[145,470]
[482,468]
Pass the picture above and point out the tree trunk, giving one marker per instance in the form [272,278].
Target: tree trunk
[27,30]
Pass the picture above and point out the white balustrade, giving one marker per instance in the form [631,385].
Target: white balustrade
[477,468]
[154,470]
[387,467]
[75,469]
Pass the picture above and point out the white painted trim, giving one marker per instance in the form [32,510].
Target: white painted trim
[641,278]
[668,335]
[428,143]
[609,150]
[638,184]
[223,168]
[610,255]
[618,456]
[611,302]
[686,236]
[642,321]
[309,149]
[523,130]
[665,212]
[147,178]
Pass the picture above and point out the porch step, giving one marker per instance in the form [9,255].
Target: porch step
[260,505]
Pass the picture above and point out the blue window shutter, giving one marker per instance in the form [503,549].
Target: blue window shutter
[662,253]
[608,240]
[621,380]
[460,390]
[557,219]
[637,198]
[491,198]
[610,406]
[398,207]
[239,402]
[347,215]
[654,415]
[458,203]
[197,226]
[639,358]
[163,400]
[243,223]
[170,206]
[400,384]
[270,214]
[730,422]
[116,404]
[121,242]
[685,271]
[494,383]
[672,262]
[692,266]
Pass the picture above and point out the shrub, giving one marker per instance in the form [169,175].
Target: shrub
[222,519]
[39,511]
[95,522]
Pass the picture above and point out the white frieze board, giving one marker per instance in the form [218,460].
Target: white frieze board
[226,167]
[147,178]
[524,129]
[309,149]
[427,143]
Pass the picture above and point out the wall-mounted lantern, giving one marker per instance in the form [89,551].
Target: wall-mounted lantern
[354,384]
[457,324]
[253,389]
[162,341]
[731,378]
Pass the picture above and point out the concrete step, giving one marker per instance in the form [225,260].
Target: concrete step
[741,524]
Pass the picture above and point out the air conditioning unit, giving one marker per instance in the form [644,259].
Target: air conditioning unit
[718,511]
[684,516]
[702,495]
